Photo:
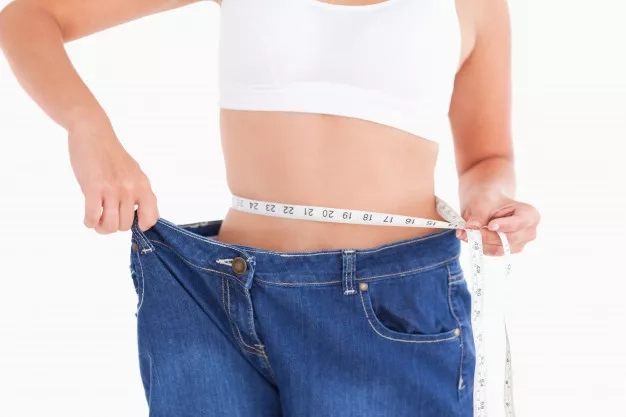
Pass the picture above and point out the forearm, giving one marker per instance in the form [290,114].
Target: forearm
[494,175]
[33,45]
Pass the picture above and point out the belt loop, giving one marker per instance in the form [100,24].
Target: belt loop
[348,271]
[143,243]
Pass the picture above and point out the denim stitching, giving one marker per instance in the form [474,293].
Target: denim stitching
[345,273]
[152,367]
[349,273]
[232,323]
[296,284]
[256,336]
[451,308]
[303,254]
[309,283]
[365,279]
[455,278]
[399,340]
[352,272]
[192,264]
[143,285]
[245,347]
[142,238]
[138,233]
[411,271]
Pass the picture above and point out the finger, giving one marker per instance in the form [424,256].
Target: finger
[93,210]
[127,213]
[520,236]
[498,250]
[109,222]
[476,216]
[507,210]
[487,237]
[523,217]
[477,220]
[147,210]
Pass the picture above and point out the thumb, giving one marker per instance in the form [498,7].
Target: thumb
[478,217]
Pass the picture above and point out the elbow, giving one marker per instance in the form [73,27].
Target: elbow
[20,14]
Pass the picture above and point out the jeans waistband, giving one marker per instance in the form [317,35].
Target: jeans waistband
[192,242]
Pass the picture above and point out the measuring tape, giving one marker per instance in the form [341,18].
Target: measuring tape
[453,221]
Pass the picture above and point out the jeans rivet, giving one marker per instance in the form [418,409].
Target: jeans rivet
[239,265]
[363,286]
[134,247]
[457,332]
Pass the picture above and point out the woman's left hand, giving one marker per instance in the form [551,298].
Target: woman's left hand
[497,213]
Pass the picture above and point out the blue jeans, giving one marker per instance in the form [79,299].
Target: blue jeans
[236,331]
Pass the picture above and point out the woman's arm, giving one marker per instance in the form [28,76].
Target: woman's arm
[480,112]
[32,36]
[480,115]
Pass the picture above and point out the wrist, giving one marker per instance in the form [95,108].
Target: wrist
[85,121]
[491,177]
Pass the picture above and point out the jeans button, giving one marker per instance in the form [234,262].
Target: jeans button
[239,265]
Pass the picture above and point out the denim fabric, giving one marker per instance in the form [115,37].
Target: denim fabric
[231,330]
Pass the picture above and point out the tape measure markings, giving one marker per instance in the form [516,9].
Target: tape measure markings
[452,221]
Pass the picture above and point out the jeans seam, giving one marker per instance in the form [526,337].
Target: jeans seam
[143,238]
[344,262]
[233,325]
[192,264]
[411,271]
[143,285]
[363,279]
[351,270]
[296,284]
[394,339]
[256,337]
[460,383]
[455,278]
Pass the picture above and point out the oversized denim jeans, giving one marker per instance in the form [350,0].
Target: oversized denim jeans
[236,331]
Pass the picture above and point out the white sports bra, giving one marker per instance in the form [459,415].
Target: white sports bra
[392,63]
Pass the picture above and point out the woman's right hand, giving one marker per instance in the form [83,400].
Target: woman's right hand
[111,181]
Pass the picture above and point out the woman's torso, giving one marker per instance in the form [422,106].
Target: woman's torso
[332,161]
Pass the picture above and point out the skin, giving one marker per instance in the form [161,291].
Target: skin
[396,179]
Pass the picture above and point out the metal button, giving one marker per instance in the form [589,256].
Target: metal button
[363,286]
[239,265]
[457,332]
[134,247]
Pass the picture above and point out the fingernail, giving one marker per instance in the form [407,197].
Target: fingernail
[458,233]
[472,223]
[493,227]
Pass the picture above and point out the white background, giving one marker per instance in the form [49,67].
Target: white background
[67,335]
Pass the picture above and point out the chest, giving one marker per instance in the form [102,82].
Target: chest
[395,46]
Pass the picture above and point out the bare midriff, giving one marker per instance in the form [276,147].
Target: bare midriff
[323,160]
[330,161]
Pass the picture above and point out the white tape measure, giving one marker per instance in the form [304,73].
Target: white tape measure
[453,221]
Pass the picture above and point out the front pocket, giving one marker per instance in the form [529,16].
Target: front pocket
[411,308]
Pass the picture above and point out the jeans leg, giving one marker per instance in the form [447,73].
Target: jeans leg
[191,364]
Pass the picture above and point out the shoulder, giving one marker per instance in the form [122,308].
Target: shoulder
[482,21]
